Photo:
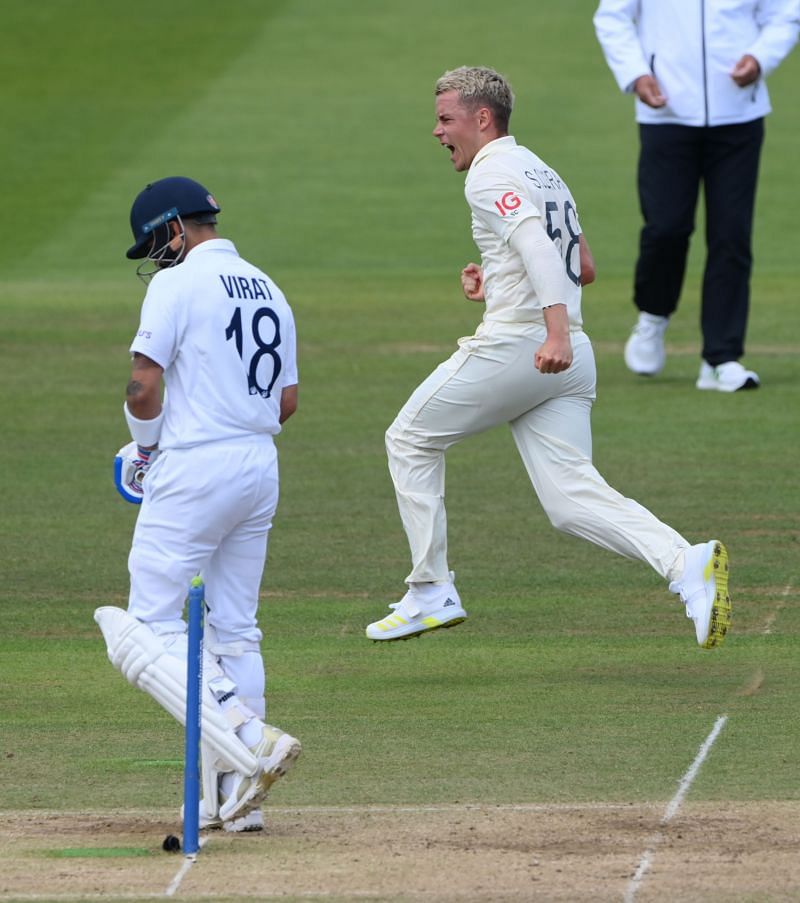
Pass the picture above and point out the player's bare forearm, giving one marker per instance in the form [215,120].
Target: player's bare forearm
[588,270]
[288,403]
[555,353]
[143,392]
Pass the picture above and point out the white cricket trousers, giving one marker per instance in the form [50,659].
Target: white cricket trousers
[492,379]
[208,510]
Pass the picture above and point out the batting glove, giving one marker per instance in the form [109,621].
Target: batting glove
[130,468]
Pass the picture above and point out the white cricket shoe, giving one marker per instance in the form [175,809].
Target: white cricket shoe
[644,350]
[426,606]
[729,377]
[703,588]
[253,821]
[276,752]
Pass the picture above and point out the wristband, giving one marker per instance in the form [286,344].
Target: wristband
[144,432]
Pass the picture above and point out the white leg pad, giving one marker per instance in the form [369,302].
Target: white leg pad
[144,660]
[210,780]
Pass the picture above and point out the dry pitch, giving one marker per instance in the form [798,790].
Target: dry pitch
[707,852]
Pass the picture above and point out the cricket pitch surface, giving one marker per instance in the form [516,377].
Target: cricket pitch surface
[582,852]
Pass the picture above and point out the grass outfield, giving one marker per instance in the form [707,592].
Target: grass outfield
[576,679]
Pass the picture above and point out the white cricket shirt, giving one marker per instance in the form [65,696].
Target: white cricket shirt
[225,336]
[506,184]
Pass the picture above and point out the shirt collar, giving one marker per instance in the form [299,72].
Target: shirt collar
[493,147]
[213,244]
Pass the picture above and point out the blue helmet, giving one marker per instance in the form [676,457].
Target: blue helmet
[165,200]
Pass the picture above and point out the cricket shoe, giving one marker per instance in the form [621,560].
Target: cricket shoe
[247,824]
[253,821]
[703,588]
[426,606]
[728,377]
[276,753]
[644,350]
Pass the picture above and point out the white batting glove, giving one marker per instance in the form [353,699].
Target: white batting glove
[130,468]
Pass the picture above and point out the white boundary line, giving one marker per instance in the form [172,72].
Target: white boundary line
[674,804]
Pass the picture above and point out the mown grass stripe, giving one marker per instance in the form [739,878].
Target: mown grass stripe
[98,852]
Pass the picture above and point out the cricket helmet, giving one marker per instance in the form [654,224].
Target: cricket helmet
[167,199]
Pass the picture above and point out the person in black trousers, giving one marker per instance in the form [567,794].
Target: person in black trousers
[701,103]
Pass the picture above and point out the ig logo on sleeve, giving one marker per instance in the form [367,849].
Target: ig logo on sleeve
[508,204]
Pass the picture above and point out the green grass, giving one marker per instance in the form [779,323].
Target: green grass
[576,676]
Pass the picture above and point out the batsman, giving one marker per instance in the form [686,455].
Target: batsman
[214,377]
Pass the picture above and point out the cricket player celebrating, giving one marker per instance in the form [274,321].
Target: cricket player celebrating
[529,364]
[221,336]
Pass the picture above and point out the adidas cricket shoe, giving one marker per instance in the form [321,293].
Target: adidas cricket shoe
[276,753]
[703,588]
[424,607]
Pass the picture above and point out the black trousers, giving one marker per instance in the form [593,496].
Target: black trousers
[673,161]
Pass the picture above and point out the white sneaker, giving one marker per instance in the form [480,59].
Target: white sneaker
[729,377]
[644,350]
[703,588]
[276,752]
[426,606]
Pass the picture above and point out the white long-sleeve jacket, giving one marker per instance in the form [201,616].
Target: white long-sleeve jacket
[691,47]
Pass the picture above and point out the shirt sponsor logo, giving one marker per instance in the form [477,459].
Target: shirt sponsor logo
[144,334]
[509,204]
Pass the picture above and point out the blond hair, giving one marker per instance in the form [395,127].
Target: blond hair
[479,86]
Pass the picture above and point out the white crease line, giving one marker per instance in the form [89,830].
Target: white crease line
[8,815]
[368,808]
[672,808]
[183,871]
